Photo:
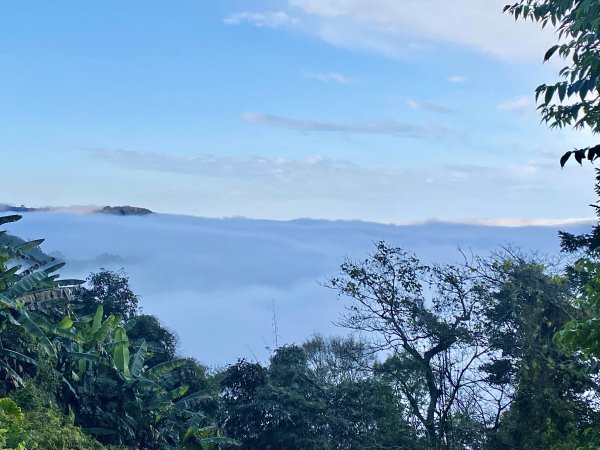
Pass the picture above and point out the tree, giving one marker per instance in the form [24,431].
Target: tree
[295,404]
[546,388]
[582,334]
[161,342]
[242,417]
[363,409]
[279,408]
[111,290]
[339,359]
[428,319]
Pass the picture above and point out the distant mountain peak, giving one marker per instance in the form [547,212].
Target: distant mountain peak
[125,210]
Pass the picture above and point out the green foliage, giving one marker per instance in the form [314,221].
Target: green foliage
[547,387]
[574,101]
[39,424]
[161,342]
[583,334]
[428,319]
[28,286]
[291,405]
[111,290]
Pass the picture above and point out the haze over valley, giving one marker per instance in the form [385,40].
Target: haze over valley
[216,281]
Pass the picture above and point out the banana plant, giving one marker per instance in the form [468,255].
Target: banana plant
[28,285]
[147,405]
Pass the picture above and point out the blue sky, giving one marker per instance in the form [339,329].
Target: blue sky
[388,111]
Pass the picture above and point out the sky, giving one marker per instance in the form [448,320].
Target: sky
[390,111]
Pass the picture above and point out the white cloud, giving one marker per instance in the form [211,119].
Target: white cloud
[391,26]
[457,79]
[334,77]
[207,165]
[418,105]
[269,19]
[524,104]
[382,126]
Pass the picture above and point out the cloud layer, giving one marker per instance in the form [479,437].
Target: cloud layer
[214,281]
[387,127]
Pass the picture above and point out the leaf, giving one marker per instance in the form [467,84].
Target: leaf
[594,153]
[164,368]
[14,375]
[98,318]
[11,409]
[82,356]
[7,302]
[66,323]
[195,420]
[192,401]
[33,330]
[121,354]
[82,366]
[25,285]
[54,268]
[550,52]
[138,360]
[178,392]
[70,282]
[562,91]
[29,245]
[549,93]
[18,356]
[104,331]
[71,415]
[565,158]
[9,219]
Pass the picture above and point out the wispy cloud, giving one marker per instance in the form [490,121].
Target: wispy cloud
[382,126]
[520,105]
[319,186]
[428,106]
[331,77]
[457,79]
[269,19]
[391,27]
[208,165]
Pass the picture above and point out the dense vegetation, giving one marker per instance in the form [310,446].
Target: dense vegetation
[493,353]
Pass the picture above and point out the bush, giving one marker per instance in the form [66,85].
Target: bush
[31,420]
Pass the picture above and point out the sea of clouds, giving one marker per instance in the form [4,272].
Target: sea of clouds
[219,282]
